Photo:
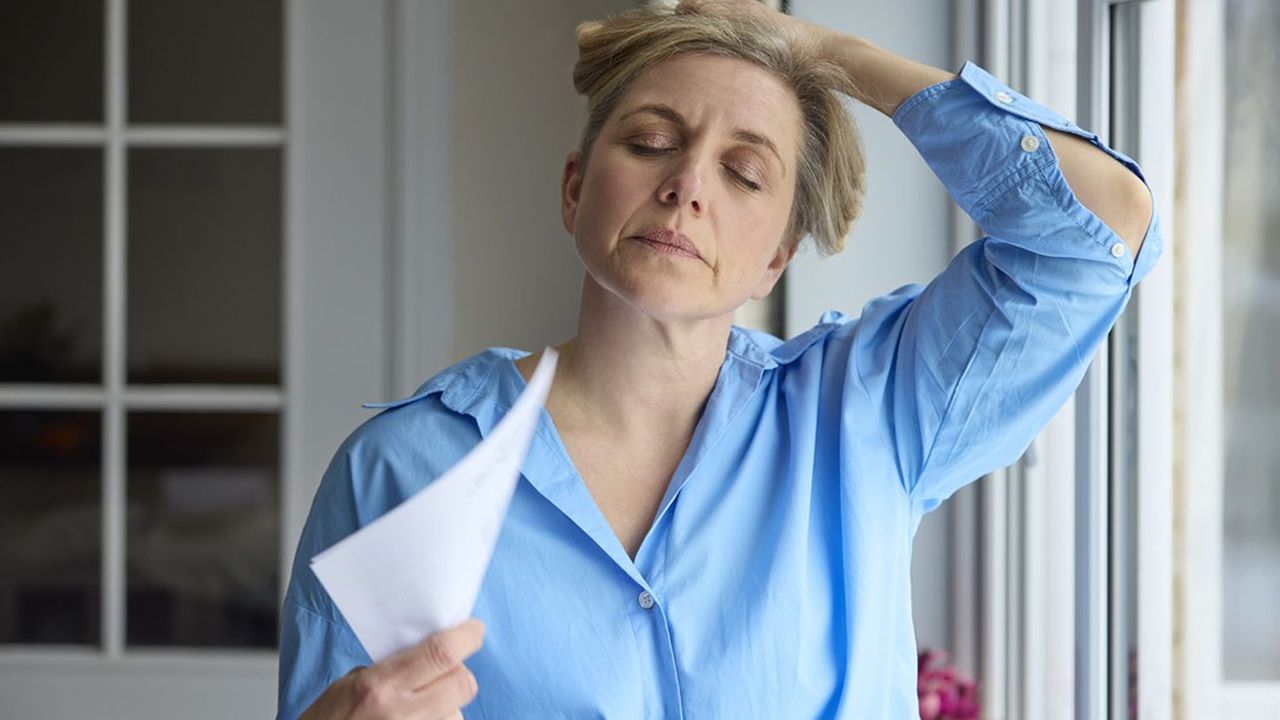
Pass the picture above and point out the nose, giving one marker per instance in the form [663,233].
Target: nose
[683,185]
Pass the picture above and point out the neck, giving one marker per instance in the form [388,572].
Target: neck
[627,373]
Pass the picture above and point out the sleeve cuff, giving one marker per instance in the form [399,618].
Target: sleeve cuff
[945,104]
[986,143]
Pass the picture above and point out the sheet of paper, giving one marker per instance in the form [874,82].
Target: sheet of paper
[417,569]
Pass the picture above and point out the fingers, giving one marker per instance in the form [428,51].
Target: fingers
[364,695]
[427,681]
[420,665]
[447,694]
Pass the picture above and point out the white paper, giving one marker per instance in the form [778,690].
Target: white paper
[417,569]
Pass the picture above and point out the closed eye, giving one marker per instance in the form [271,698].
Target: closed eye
[647,151]
[753,186]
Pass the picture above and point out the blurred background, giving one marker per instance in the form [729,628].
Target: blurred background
[224,225]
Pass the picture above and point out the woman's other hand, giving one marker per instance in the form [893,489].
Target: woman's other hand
[426,681]
[794,29]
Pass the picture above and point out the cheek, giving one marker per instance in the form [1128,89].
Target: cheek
[762,227]
[610,193]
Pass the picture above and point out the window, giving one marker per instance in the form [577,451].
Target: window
[140,324]
[1251,344]
[1228,396]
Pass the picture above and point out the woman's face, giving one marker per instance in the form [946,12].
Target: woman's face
[702,145]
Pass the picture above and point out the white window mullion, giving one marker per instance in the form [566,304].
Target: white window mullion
[113,446]
[61,134]
[145,135]
[205,136]
[62,397]
[1154,385]
[1199,438]
[188,398]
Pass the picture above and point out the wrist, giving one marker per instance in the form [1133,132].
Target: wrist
[856,56]
[877,77]
[827,43]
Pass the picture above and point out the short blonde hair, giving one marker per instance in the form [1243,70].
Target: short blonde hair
[831,175]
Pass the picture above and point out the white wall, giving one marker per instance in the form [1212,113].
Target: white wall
[903,236]
[485,117]
[516,116]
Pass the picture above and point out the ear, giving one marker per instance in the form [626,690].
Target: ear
[570,189]
[781,258]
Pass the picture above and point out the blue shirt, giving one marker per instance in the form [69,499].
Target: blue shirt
[775,579]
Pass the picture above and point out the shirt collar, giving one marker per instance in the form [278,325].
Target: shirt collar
[460,386]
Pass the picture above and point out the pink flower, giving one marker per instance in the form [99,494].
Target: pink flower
[945,693]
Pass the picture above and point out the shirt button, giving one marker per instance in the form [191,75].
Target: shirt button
[1030,143]
[1004,97]
[1117,250]
[646,600]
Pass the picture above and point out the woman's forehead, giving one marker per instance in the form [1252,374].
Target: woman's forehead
[710,77]
[714,89]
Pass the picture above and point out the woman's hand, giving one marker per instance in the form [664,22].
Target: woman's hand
[426,681]
[797,31]
[877,77]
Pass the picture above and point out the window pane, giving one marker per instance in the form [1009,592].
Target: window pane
[203,529]
[51,61]
[1251,552]
[204,266]
[51,272]
[194,61]
[50,527]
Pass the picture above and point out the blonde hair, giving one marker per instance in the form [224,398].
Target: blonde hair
[830,177]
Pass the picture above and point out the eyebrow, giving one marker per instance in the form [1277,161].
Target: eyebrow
[739,134]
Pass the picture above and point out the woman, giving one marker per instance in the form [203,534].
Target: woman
[714,522]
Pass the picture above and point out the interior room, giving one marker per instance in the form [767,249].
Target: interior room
[227,226]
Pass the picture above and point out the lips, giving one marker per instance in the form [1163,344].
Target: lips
[672,241]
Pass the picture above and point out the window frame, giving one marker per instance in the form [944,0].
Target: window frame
[1124,510]
[113,396]
[1043,654]
[1199,432]
[336,257]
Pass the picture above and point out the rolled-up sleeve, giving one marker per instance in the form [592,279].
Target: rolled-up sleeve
[967,369]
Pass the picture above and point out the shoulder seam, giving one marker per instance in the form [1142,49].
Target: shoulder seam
[312,611]
[462,402]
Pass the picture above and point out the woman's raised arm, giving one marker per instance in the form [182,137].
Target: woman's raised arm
[964,371]
[884,80]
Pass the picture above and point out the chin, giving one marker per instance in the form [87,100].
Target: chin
[662,298]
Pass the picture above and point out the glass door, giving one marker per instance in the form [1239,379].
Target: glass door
[171,208]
